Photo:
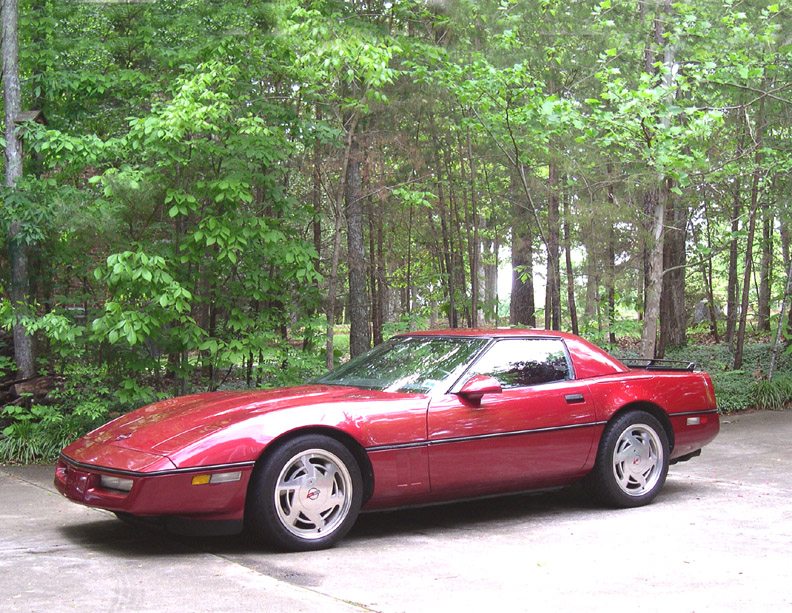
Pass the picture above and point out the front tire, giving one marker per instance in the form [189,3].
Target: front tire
[632,461]
[307,494]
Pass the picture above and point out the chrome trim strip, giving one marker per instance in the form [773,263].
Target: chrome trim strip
[463,439]
[157,473]
[686,413]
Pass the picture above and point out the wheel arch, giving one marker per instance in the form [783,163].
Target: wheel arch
[355,448]
[655,411]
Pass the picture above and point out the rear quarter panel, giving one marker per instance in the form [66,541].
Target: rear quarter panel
[684,397]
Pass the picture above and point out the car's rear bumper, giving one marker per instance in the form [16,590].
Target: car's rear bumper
[177,492]
[693,430]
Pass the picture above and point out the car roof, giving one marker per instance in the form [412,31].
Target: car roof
[492,332]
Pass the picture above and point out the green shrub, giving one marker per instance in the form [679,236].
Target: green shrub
[39,432]
[290,366]
[714,357]
[599,333]
[7,366]
[733,390]
[768,395]
[773,395]
[785,383]
[737,390]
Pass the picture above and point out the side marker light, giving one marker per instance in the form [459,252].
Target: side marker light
[217,478]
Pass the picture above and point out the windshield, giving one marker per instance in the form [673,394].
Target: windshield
[406,364]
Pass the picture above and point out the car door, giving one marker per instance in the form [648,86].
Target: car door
[537,432]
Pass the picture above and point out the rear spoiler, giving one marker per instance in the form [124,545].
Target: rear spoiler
[655,364]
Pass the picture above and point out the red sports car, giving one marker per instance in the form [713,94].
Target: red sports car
[423,418]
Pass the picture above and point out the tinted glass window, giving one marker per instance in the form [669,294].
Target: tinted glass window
[406,364]
[521,362]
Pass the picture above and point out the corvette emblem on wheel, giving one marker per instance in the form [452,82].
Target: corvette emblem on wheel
[313,494]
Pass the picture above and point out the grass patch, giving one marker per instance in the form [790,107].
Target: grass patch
[773,395]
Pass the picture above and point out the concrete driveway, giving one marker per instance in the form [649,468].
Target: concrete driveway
[719,538]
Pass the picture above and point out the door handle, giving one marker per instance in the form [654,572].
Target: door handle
[574,398]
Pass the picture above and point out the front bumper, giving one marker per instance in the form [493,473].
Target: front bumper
[162,493]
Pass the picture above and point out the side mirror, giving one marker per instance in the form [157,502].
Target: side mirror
[473,389]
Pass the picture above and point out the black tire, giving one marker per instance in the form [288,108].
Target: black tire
[632,461]
[306,495]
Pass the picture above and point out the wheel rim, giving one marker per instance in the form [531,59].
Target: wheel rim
[638,460]
[313,494]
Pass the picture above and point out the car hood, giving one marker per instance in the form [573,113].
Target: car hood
[165,427]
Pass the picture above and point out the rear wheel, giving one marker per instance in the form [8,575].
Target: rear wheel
[632,461]
[307,495]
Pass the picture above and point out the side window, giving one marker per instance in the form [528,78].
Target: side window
[521,362]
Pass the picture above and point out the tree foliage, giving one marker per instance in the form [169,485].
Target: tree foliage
[213,186]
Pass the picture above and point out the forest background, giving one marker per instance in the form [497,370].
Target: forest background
[205,194]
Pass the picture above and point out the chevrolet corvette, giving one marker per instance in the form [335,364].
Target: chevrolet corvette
[426,417]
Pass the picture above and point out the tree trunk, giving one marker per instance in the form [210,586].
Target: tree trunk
[447,260]
[490,261]
[786,252]
[611,286]
[757,175]
[359,331]
[408,296]
[316,192]
[592,272]
[457,246]
[650,198]
[382,287]
[610,277]
[553,287]
[765,269]
[654,281]
[376,320]
[332,284]
[19,292]
[376,273]
[743,318]
[778,344]
[522,309]
[492,293]
[732,284]
[706,274]
[673,317]
[332,280]
[316,223]
[474,244]
[654,277]
[490,282]
[570,276]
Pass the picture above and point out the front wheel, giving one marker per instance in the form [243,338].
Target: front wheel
[307,494]
[632,461]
